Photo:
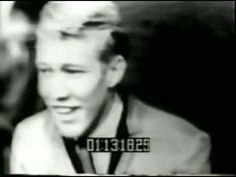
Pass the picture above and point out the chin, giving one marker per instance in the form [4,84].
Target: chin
[70,134]
[71,131]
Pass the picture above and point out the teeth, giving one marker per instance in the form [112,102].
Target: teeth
[63,110]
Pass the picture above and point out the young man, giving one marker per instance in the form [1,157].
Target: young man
[79,66]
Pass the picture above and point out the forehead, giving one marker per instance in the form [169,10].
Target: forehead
[55,48]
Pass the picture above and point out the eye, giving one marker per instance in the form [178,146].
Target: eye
[43,70]
[74,71]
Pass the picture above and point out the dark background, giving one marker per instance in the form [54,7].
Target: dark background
[180,61]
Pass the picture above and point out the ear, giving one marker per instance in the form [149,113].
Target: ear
[116,70]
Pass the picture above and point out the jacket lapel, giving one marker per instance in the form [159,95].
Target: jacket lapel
[134,128]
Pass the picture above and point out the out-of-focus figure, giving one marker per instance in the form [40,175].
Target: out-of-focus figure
[16,73]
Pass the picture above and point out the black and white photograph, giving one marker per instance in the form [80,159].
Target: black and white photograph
[116,88]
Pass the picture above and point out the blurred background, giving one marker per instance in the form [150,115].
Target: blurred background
[180,61]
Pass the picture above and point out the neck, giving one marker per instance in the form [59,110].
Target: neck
[101,115]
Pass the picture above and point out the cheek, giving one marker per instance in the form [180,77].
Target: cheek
[89,87]
[43,88]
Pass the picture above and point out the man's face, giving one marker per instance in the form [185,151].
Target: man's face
[72,82]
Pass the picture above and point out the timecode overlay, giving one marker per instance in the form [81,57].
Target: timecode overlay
[118,145]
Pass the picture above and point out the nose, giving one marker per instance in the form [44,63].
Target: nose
[57,90]
[61,95]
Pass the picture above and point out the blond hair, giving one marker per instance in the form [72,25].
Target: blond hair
[78,19]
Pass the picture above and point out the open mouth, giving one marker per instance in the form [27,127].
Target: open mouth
[65,109]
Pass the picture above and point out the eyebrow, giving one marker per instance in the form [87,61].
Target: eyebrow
[93,24]
[73,66]
[41,64]
[64,66]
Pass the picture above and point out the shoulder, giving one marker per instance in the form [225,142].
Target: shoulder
[161,120]
[173,138]
[31,127]
[30,134]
